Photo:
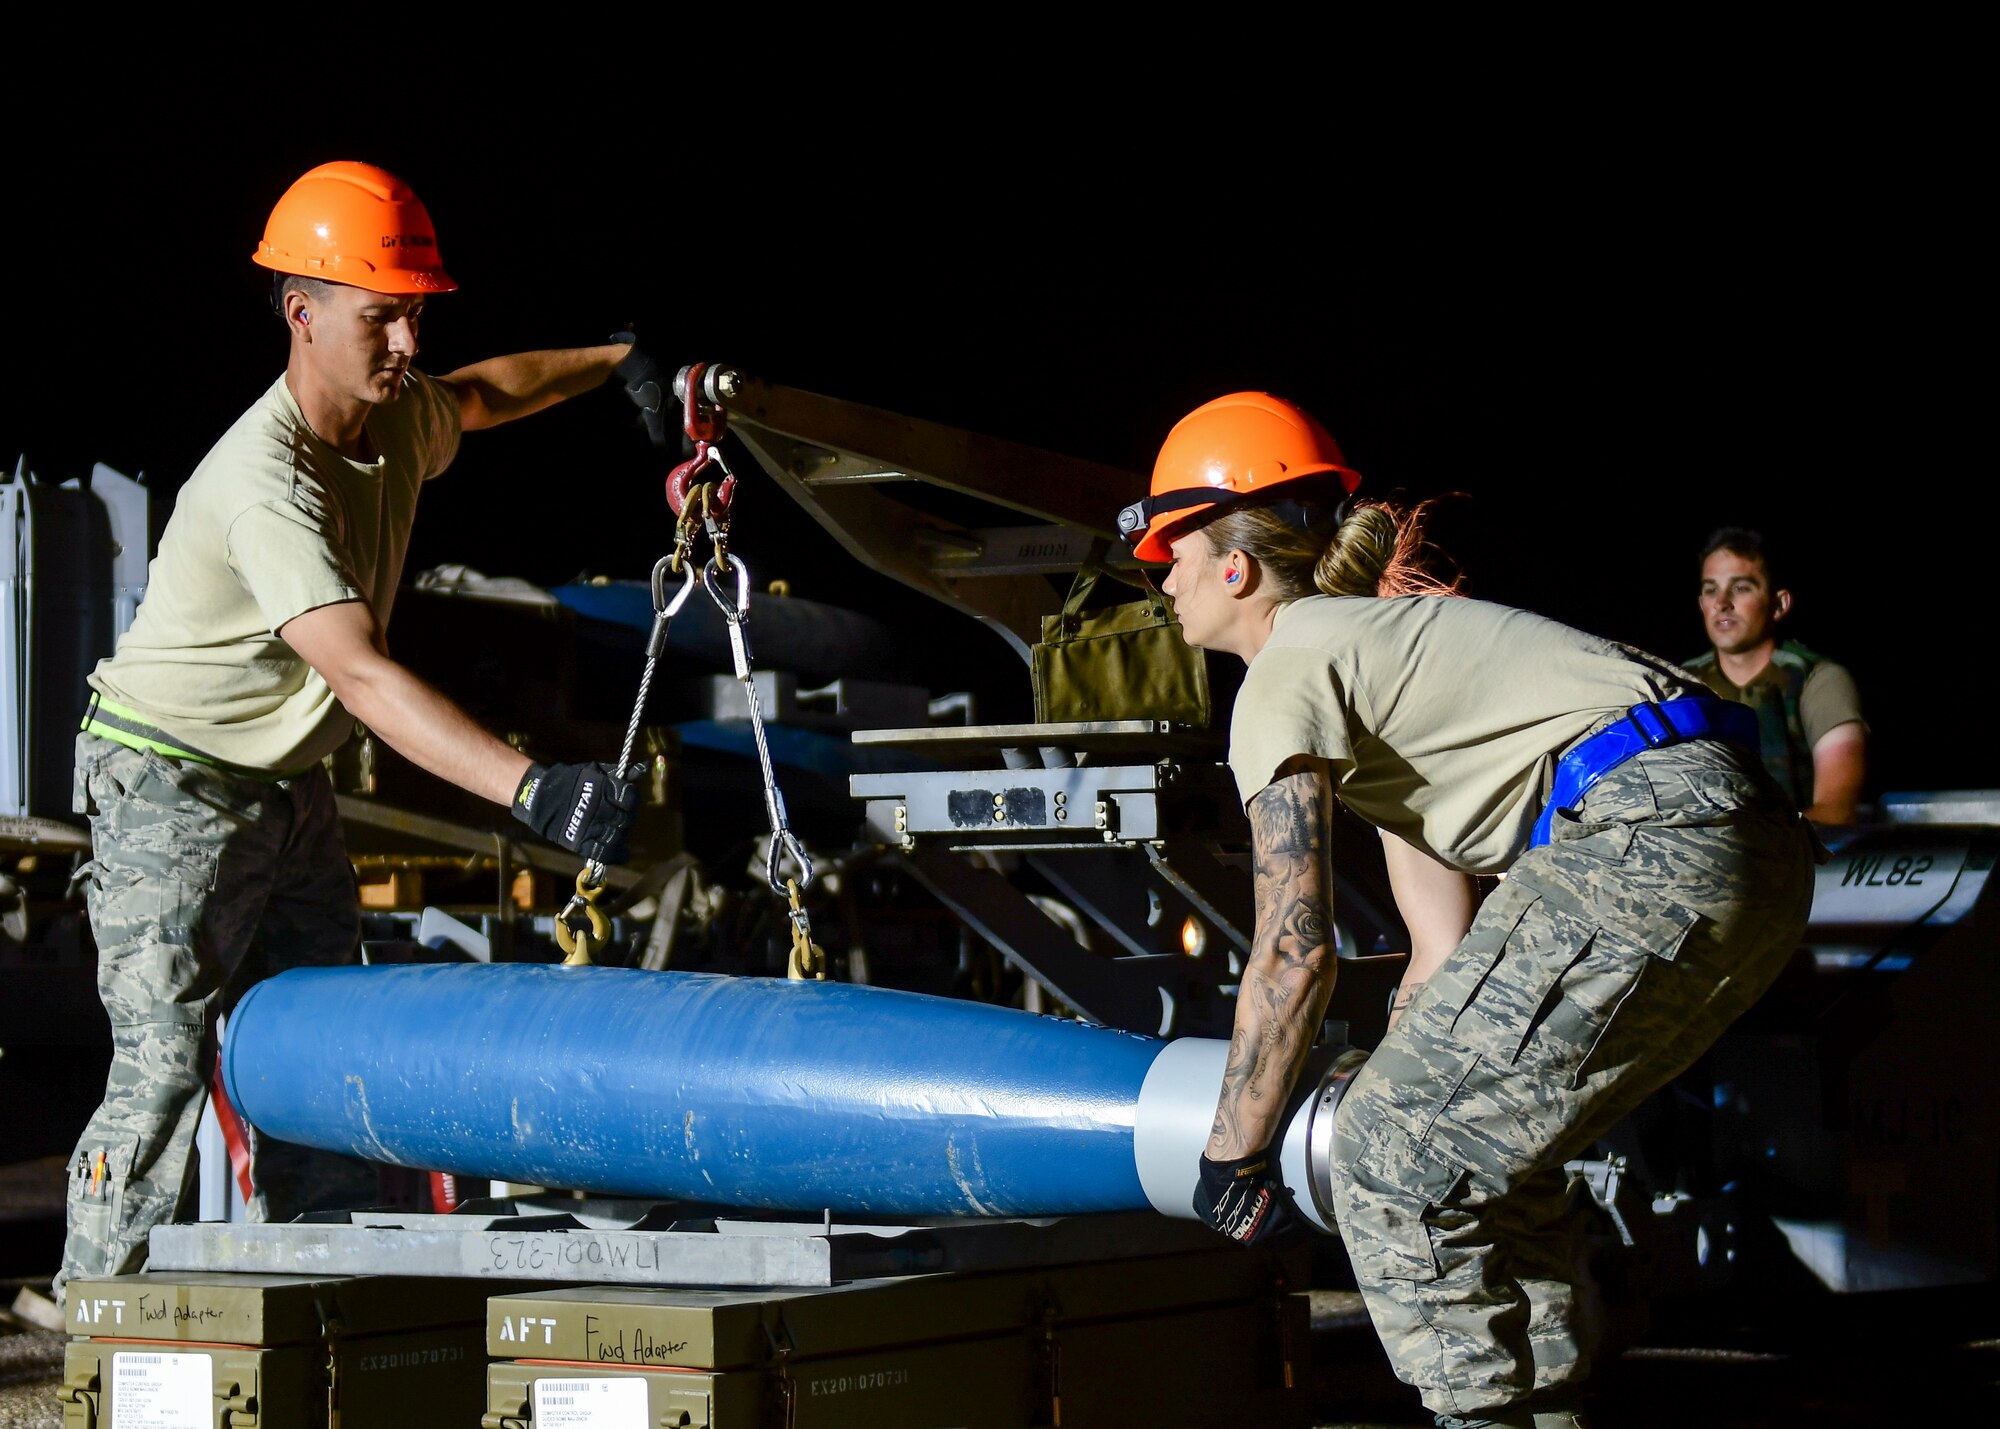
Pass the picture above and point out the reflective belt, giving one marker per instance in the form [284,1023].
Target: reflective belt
[121,726]
[1645,726]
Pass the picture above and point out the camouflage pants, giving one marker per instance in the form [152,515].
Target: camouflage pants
[201,882]
[1601,967]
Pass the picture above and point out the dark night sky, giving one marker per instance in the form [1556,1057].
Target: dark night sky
[1611,346]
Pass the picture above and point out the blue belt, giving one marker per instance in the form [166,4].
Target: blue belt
[1645,726]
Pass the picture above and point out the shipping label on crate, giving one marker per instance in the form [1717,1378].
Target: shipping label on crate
[162,1391]
[618,1403]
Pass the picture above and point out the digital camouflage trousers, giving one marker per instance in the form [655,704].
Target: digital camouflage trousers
[201,881]
[1603,965]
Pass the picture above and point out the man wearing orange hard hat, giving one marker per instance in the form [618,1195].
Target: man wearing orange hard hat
[216,848]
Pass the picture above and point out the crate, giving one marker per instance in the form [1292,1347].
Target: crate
[1186,1339]
[199,1349]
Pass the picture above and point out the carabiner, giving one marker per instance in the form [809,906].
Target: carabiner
[663,605]
[787,842]
[665,608]
[737,613]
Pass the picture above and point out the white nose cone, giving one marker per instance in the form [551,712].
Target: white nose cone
[1176,1112]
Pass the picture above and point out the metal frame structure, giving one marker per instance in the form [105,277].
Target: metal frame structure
[835,458]
[72,572]
[1092,829]
[1155,797]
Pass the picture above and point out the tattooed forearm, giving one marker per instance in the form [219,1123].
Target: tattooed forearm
[1292,914]
[1290,973]
[1236,1074]
[1293,815]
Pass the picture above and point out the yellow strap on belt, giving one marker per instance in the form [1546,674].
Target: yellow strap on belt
[121,726]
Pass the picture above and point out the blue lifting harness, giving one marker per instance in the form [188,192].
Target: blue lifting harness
[1645,726]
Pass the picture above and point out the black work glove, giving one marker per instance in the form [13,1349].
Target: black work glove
[580,806]
[1246,1201]
[650,386]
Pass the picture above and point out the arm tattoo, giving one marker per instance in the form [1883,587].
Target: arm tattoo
[1291,968]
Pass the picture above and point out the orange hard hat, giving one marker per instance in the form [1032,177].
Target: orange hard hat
[356,224]
[1236,448]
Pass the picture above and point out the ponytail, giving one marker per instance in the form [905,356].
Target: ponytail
[1378,549]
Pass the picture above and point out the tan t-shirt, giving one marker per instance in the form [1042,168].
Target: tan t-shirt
[1442,718]
[1828,699]
[273,523]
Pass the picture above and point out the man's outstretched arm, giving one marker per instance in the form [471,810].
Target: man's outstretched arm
[501,389]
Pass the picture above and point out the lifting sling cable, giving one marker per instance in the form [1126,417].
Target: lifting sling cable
[807,960]
[582,929]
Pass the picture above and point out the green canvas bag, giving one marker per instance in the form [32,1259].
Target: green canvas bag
[1120,662]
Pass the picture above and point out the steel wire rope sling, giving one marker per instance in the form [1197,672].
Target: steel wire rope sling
[582,928]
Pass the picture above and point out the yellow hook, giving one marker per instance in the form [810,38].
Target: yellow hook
[808,959]
[578,944]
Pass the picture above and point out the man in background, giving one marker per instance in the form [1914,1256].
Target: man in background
[1815,742]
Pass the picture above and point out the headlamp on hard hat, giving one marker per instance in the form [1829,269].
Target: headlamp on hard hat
[1321,517]
[1134,519]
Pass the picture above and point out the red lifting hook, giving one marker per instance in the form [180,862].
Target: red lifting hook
[704,425]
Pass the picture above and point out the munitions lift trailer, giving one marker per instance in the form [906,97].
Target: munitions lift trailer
[1135,824]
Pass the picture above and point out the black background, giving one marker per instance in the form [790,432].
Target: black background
[1611,334]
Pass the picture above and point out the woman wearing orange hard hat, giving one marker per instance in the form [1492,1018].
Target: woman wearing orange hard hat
[1248,447]
[1656,882]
